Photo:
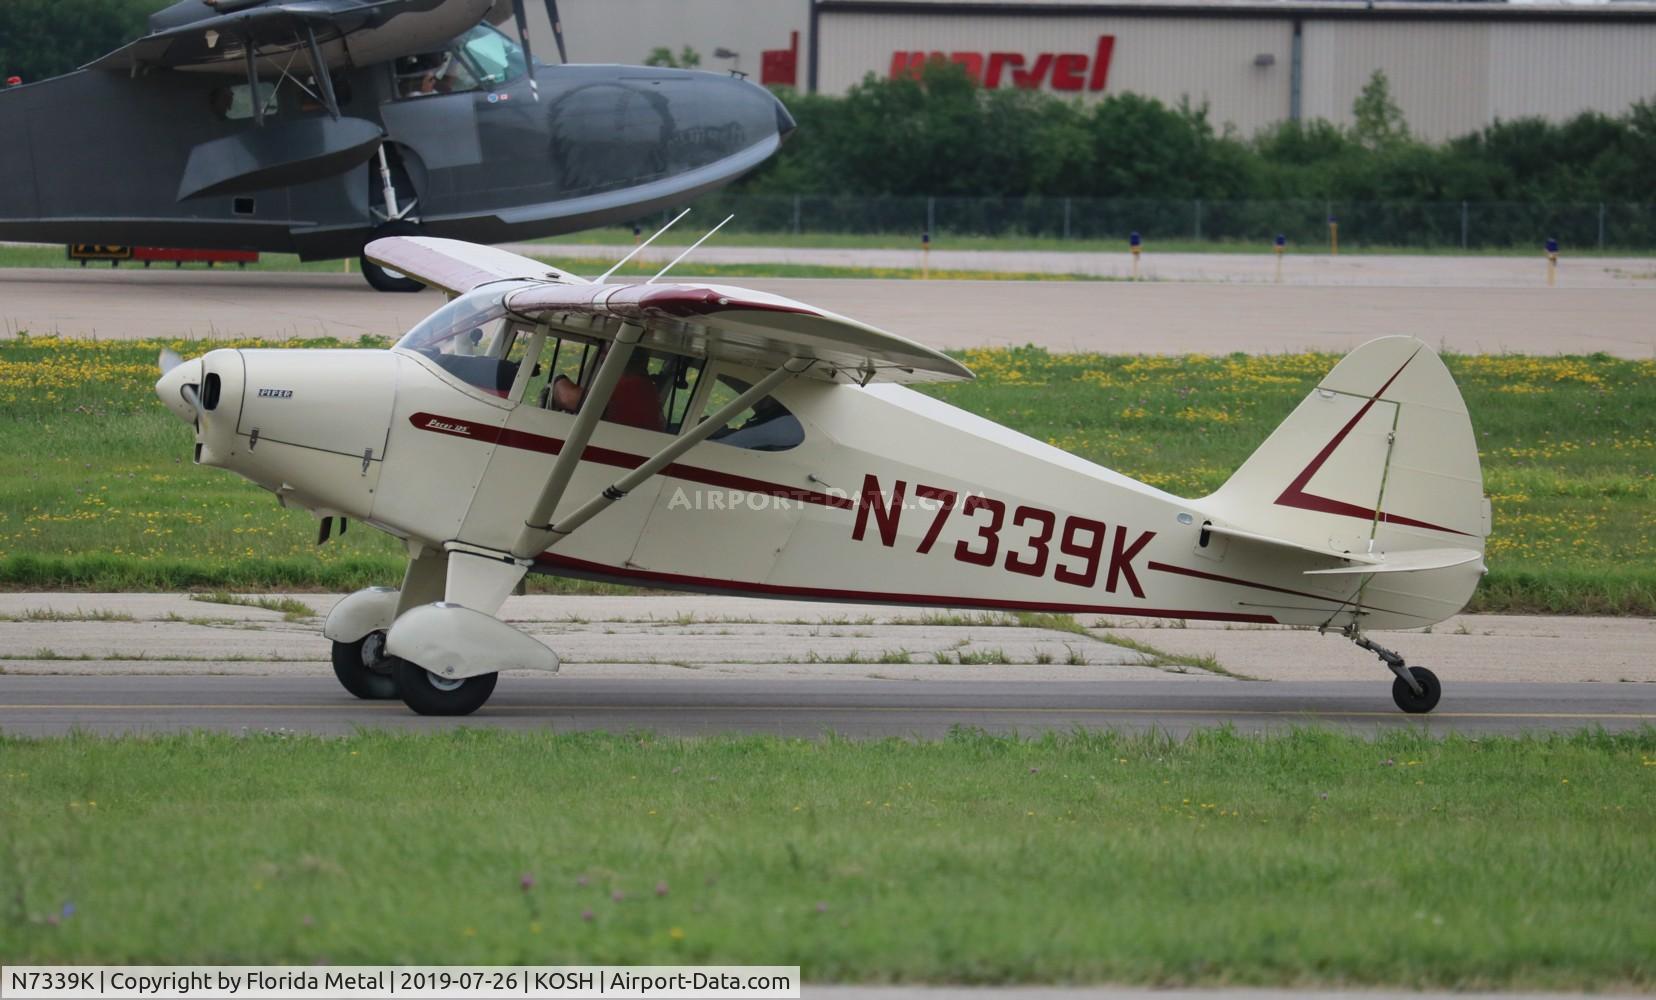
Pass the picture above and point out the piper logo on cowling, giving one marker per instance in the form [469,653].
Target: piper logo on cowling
[276,393]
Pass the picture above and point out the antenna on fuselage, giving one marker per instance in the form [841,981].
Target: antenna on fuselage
[600,279]
[690,248]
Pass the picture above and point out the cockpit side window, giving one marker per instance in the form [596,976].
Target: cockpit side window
[481,58]
[493,57]
[654,392]
[765,426]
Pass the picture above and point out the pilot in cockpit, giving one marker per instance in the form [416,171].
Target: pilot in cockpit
[431,73]
[635,401]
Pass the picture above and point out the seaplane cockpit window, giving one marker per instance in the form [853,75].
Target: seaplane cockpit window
[766,426]
[482,58]
[473,339]
[493,57]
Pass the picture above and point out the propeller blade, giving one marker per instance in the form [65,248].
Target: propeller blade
[190,396]
[169,360]
[557,29]
[522,15]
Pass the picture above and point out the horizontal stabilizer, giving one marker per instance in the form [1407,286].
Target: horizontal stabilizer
[1407,561]
[1253,536]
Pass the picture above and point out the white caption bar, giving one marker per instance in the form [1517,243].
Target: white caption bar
[97,982]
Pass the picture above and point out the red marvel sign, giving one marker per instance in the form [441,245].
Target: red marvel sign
[1058,70]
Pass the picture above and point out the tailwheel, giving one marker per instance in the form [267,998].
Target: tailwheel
[1421,701]
[363,668]
[433,694]
[1416,689]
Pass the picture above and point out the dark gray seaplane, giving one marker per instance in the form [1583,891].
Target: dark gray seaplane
[316,126]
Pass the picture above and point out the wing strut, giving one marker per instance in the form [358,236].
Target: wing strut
[538,528]
[661,459]
[253,81]
[319,67]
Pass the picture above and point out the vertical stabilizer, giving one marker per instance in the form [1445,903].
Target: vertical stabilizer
[1378,461]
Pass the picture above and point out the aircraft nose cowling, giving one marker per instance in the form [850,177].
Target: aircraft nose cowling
[171,388]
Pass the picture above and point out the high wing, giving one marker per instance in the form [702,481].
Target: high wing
[717,321]
[214,35]
[455,266]
[743,325]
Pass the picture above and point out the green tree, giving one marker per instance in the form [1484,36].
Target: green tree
[46,38]
[1379,121]
[661,55]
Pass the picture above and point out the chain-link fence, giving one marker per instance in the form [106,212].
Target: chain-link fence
[1437,225]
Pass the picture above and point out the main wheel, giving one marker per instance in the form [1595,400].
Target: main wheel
[384,279]
[363,668]
[1426,700]
[432,694]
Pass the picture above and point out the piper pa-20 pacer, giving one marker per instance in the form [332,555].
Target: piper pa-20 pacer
[717,439]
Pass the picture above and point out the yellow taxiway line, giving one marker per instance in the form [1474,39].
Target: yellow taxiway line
[957,709]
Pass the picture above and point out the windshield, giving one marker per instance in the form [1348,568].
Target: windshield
[473,338]
[493,57]
[468,325]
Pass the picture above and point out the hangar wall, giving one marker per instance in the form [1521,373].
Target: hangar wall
[1212,61]
[1453,68]
[625,31]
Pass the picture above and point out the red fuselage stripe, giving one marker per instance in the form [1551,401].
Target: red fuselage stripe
[525,441]
[553,562]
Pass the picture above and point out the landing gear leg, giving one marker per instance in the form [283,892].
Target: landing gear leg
[399,220]
[1416,689]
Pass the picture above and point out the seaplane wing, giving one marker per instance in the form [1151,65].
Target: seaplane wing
[742,325]
[457,267]
[215,35]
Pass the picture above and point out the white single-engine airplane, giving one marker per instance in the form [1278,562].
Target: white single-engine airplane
[710,438]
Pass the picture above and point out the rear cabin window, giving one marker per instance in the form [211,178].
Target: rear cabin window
[765,426]
[236,103]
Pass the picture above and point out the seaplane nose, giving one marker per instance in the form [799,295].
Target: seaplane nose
[180,386]
[785,123]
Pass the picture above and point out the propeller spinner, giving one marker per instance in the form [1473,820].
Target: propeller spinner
[179,385]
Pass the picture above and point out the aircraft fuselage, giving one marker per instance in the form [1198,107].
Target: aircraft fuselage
[892,497]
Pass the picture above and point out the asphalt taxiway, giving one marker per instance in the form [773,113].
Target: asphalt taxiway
[53,705]
[1165,316]
[695,665]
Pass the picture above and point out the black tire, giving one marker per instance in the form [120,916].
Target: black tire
[379,277]
[371,683]
[420,691]
[1426,700]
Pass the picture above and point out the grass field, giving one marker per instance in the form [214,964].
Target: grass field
[51,256]
[97,492]
[684,235]
[1306,858]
